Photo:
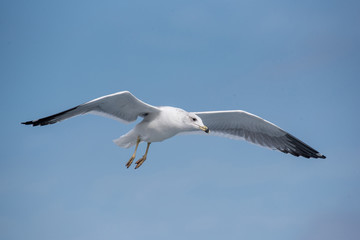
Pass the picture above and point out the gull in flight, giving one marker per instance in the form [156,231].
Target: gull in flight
[160,123]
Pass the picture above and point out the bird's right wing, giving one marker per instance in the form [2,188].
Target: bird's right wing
[243,125]
[122,106]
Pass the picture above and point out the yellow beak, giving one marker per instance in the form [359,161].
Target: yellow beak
[205,129]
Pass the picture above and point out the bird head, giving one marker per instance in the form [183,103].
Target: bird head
[196,122]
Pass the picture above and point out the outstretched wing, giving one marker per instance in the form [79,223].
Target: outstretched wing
[122,106]
[243,125]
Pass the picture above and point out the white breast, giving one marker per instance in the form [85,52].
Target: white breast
[165,125]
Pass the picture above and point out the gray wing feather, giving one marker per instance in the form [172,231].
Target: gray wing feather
[122,106]
[239,124]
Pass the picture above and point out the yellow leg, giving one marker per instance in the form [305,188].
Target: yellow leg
[142,160]
[128,164]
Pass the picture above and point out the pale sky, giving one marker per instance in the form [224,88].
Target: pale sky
[294,63]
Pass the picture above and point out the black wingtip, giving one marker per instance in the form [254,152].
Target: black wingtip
[28,123]
[48,120]
[39,122]
[303,149]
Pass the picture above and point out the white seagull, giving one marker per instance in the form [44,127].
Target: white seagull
[160,123]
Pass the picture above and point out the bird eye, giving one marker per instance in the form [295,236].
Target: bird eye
[194,119]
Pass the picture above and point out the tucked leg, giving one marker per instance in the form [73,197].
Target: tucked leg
[128,164]
[142,160]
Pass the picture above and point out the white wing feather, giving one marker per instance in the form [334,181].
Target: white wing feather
[122,106]
[239,124]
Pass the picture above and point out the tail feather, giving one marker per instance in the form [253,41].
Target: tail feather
[126,141]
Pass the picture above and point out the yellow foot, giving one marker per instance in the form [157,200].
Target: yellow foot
[140,162]
[128,164]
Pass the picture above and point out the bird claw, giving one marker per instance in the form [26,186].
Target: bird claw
[128,164]
[140,162]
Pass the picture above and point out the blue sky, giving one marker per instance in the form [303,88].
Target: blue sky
[294,63]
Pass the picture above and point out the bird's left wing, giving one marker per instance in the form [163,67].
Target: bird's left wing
[239,124]
[122,106]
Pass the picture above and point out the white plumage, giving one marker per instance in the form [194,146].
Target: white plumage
[160,123]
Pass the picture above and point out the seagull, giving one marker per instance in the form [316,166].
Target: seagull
[163,122]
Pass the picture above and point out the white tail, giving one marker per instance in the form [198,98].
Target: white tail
[127,140]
